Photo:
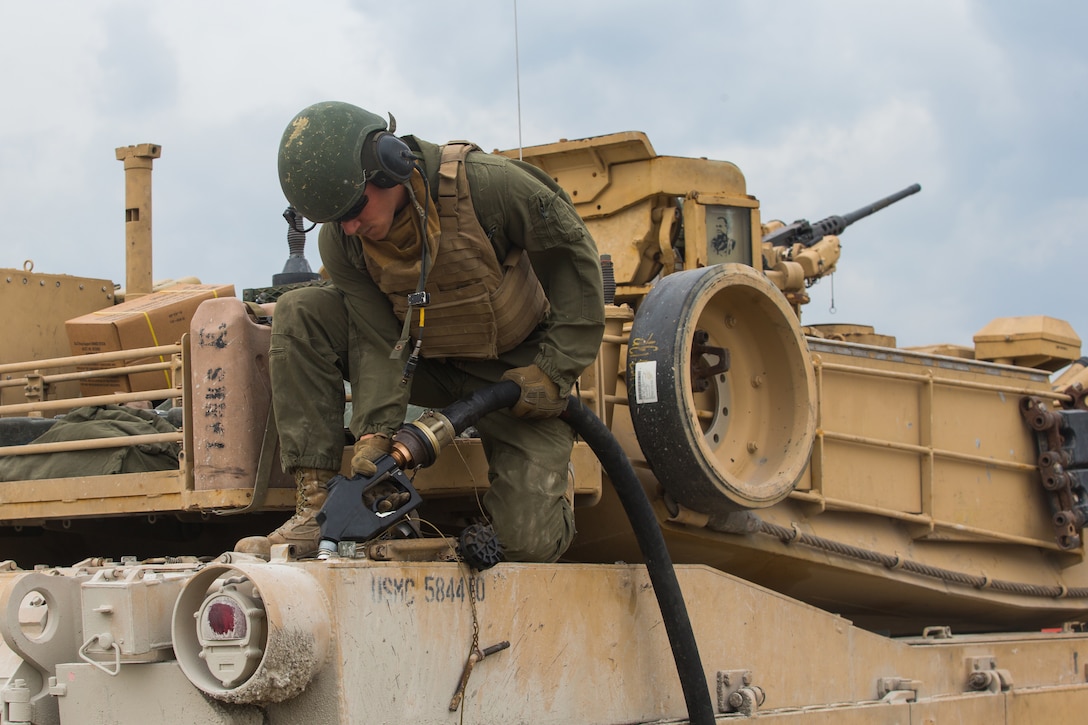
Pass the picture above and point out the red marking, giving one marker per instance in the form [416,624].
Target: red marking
[221,617]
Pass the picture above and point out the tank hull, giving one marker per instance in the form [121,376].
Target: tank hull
[586,645]
[887,545]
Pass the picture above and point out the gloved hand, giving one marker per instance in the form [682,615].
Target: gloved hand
[540,396]
[385,497]
[368,450]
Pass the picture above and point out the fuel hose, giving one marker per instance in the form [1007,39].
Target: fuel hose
[640,513]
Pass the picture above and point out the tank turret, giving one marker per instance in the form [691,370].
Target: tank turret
[742,485]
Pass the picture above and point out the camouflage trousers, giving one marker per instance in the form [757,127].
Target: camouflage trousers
[312,354]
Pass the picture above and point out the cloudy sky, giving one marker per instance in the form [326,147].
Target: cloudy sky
[825,105]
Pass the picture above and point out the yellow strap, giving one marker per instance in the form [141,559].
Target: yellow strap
[155,340]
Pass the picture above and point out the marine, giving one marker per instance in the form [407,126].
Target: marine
[451,269]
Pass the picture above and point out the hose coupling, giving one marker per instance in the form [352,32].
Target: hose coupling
[417,444]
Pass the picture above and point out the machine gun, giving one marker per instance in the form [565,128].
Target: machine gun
[806,234]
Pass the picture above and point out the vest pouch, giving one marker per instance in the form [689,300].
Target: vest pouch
[457,323]
[519,301]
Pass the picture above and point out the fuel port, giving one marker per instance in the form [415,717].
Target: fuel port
[231,630]
[251,633]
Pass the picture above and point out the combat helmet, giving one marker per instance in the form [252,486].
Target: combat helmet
[321,159]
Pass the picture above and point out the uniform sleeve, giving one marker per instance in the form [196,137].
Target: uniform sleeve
[379,401]
[527,212]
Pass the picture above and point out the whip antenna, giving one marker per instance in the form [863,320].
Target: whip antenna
[517,73]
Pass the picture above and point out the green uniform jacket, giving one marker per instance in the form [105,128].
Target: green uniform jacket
[517,205]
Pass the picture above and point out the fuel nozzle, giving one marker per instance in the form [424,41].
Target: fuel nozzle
[346,516]
[361,508]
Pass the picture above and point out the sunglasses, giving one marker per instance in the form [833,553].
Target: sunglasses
[354,211]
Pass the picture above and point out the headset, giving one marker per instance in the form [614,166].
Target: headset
[387,160]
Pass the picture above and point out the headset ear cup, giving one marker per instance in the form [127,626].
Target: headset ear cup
[391,160]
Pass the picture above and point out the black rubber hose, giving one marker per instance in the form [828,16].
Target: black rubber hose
[640,513]
[467,411]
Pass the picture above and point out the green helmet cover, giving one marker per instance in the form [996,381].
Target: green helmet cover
[320,159]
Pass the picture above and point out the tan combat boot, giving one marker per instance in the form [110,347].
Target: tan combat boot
[302,529]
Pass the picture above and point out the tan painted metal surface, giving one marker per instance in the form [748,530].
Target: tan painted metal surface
[138,161]
[35,307]
[231,398]
[586,645]
[917,506]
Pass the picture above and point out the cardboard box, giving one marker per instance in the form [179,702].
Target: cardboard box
[160,318]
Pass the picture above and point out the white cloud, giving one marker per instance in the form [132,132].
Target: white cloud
[823,106]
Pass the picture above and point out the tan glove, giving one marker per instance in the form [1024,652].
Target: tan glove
[385,497]
[368,450]
[540,396]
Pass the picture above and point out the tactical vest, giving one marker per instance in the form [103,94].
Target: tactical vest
[479,306]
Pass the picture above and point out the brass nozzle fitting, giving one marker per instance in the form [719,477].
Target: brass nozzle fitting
[418,443]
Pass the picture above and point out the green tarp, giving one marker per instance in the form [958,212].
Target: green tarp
[97,422]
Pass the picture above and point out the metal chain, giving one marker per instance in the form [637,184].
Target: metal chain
[471,659]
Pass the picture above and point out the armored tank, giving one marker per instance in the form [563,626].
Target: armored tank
[778,521]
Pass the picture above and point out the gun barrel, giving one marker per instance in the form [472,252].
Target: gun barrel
[806,234]
[878,205]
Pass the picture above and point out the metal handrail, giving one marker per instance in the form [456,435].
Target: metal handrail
[88,374]
[90,444]
[94,357]
[69,403]
[32,370]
